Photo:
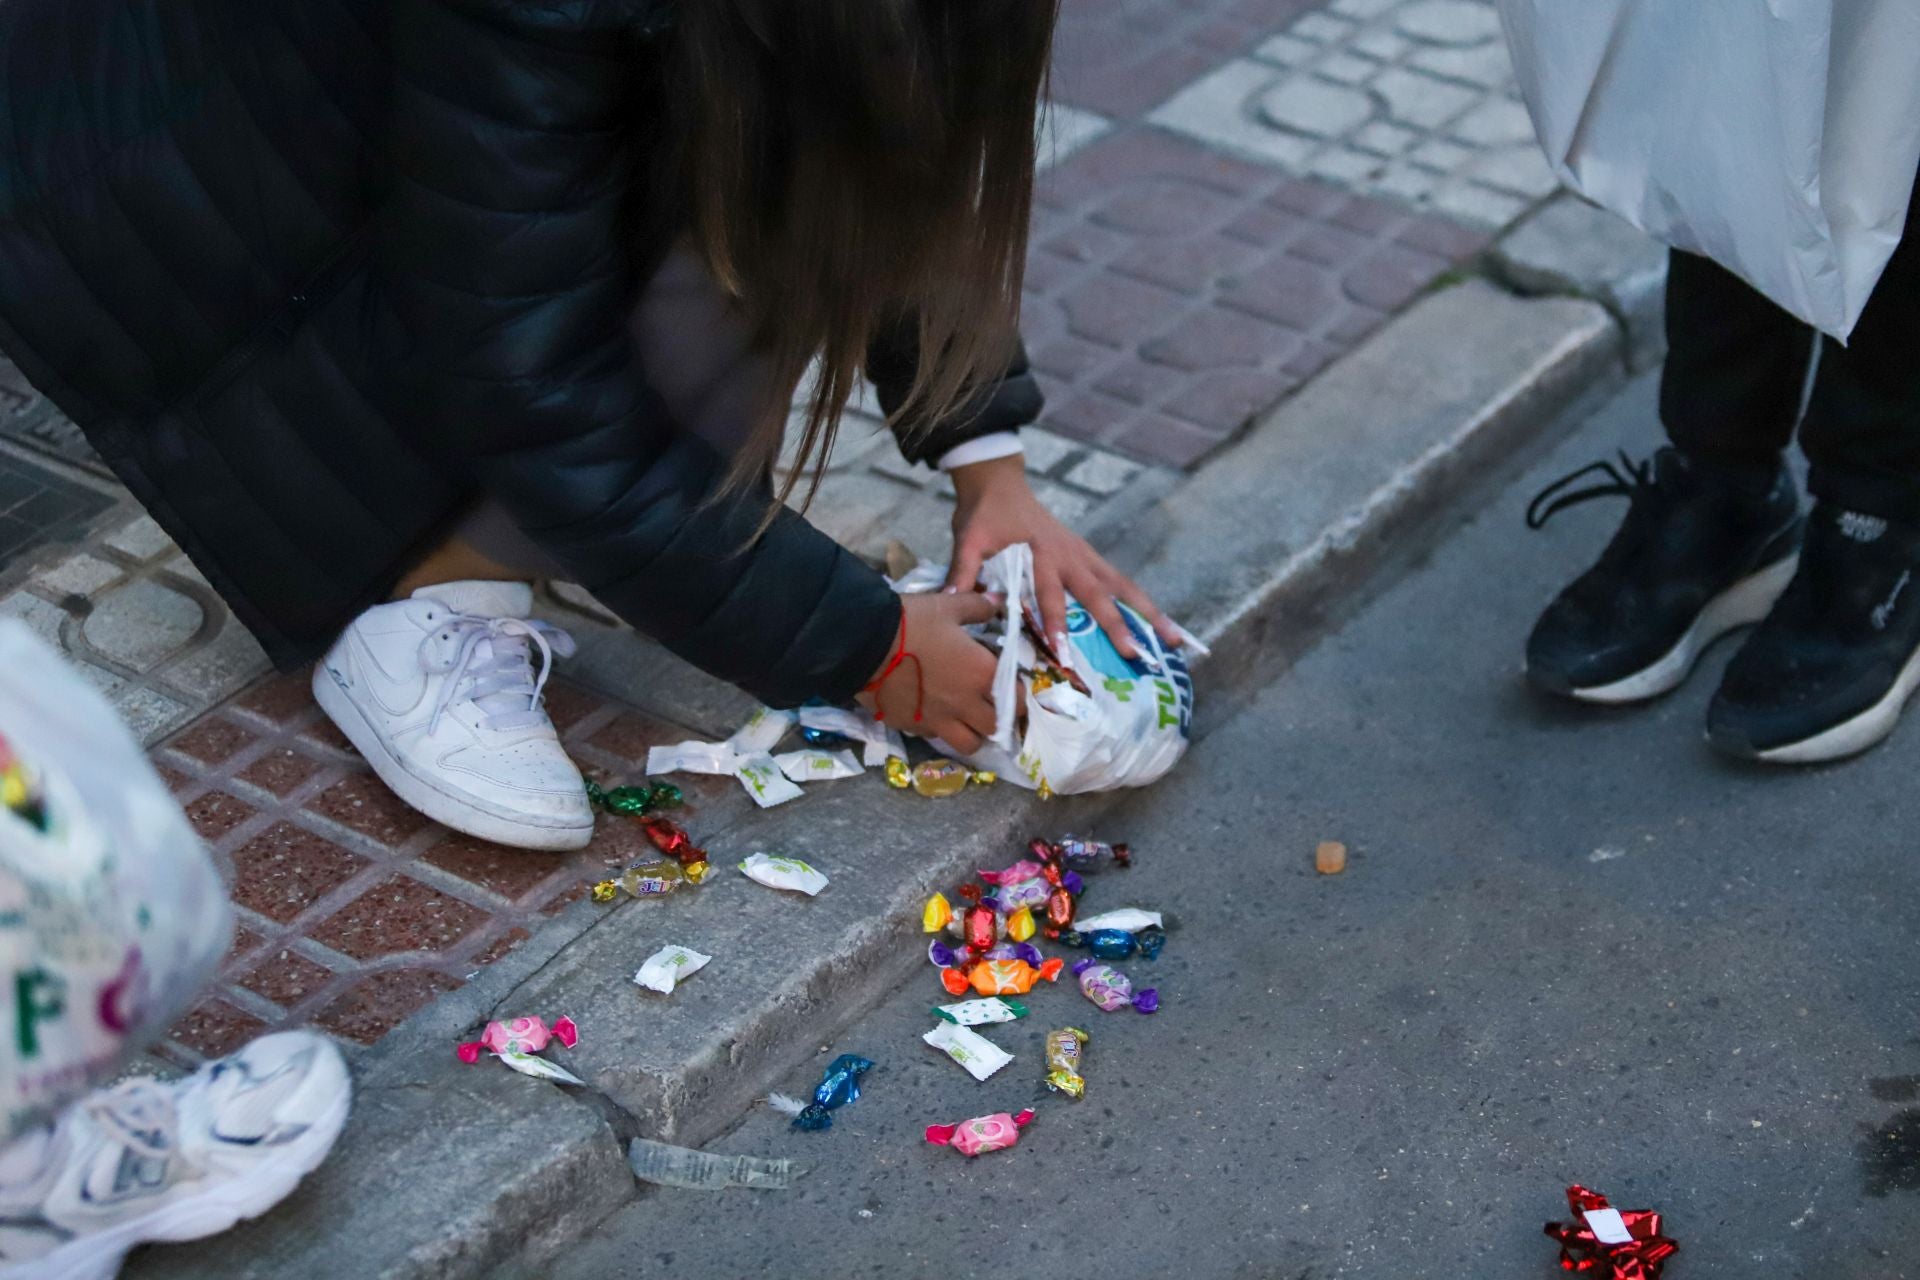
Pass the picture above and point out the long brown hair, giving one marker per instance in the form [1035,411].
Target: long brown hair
[855,167]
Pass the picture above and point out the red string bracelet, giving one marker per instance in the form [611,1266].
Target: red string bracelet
[900,655]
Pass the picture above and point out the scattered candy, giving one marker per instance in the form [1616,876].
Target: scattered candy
[839,1085]
[1132,919]
[1330,859]
[899,776]
[1001,977]
[672,839]
[1065,1048]
[784,873]
[744,755]
[879,743]
[979,1055]
[1116,944]
[762,730]
[635,801]
[1020,924]
[665,967]
[816,765]
[692,757]
[1078,852]
[1111,989]
[1021,870]
[1610,1243]
[982,1012]
[517,1040]
[650,880]
[937,914]
[981,1134]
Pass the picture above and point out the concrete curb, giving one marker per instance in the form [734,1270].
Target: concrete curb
[448,1175]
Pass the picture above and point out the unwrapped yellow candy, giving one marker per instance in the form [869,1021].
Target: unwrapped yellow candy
[940,778]
[937,915]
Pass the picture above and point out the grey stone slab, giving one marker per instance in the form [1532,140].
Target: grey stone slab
[1102,473]
[1571,246]
[143,623]
[43,619]
[1320,484]
[444,1170]
[220,667]
[140,538]
[151,715]
[77,575]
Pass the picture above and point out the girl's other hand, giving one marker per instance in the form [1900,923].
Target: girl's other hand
[951,686]
[998,508]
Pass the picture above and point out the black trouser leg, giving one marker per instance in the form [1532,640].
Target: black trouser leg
[1862,431]
[1736,366]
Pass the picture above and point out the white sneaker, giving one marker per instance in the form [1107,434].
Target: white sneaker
[149,1160]
[440,694]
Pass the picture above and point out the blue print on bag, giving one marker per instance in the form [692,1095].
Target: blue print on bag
[1172,685]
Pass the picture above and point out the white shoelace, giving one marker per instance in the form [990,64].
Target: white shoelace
[142,1116]
[505,675]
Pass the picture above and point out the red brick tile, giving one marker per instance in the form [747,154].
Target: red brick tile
[1083,243]
[1219,339]
[1225,400]
[1351,325]
[173,779]
[1265,227]
[1311,199]
[1158,438]
[511,873]
[1195,265]
[1329,246]
[216,813]
[1048,273]
[1087,416]
[1446,239]
[630,733]
[397,916]
[281,699]
[1165,208]
[501,945]
[382,1002]
[1389,278]
[281,770]
[1069,358]
[244,940]
[286,869]
[1135,382]
[566,898]
[1310,359]
[212,739]
[325,733]
[362,802]
[1367,216]
[215,1028]
[286,978]
[1286,291]
[1118,311]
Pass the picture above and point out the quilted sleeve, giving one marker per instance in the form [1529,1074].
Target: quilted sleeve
[508,283]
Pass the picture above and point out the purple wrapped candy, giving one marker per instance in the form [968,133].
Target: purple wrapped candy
[1027,893]
[1016,951]
[1072,883]
[941,955]
[1111,989]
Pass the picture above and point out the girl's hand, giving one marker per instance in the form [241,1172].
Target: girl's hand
[952,686]
[996,509]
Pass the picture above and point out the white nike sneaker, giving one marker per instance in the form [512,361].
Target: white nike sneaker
[441,695]
[149,1160]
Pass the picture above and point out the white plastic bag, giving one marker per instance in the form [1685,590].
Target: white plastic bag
[112,916]
[1126,724]
[1778,137]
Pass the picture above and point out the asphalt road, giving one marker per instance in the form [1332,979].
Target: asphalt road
[1568,947]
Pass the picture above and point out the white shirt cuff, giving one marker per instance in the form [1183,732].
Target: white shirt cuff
[998,444]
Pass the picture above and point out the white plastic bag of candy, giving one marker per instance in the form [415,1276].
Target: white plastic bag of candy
[1087,719]
[112,916]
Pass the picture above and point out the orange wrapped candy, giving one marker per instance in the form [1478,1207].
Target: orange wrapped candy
[1000,977]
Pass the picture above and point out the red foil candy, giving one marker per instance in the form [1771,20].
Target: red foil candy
[981,929]
[1060,908]
[1610,1244]
[673,841]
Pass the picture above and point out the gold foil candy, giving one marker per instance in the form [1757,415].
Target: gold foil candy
[985,778]
[939,778]
[606,891]
[695,872]
[937,914]
[651,879]
[898,775]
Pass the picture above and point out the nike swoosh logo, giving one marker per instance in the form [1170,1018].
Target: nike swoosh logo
[395,697]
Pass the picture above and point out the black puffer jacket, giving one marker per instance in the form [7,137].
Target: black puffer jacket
[314,275]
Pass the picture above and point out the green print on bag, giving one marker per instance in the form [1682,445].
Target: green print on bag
[38,996]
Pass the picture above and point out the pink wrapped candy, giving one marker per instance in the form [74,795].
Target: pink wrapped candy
[520,1035]
[981,1134]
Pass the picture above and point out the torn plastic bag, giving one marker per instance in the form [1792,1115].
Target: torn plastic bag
[1777,137]
[1113,722]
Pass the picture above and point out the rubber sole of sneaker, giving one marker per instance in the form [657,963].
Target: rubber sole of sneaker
[445,808]
[1848,738]
[99,1255]
[1740,605]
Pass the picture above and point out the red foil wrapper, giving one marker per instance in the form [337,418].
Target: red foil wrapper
[1608,1243]
[672,840]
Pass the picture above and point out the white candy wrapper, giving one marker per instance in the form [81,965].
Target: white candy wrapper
[878,742]
[764,781]
[1131,919]
[693,757]
[1129,727]
[983,1012]
[784,873]
[762,731]
[814,765]
[528,1064]
[979,1055]
[667,966]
